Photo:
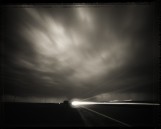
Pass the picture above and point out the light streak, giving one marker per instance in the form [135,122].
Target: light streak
[78,103]
[108,117]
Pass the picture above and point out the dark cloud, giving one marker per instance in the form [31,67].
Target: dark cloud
[78,52]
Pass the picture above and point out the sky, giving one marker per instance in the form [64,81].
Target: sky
[53,53]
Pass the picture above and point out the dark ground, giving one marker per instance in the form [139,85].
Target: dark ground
[49,115]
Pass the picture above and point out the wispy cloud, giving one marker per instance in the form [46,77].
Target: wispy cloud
[79,51]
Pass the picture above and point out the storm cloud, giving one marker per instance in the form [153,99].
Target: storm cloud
[79,52]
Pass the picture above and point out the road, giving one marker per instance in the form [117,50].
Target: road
[51,115]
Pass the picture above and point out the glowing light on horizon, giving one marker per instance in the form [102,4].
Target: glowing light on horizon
[79,103]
